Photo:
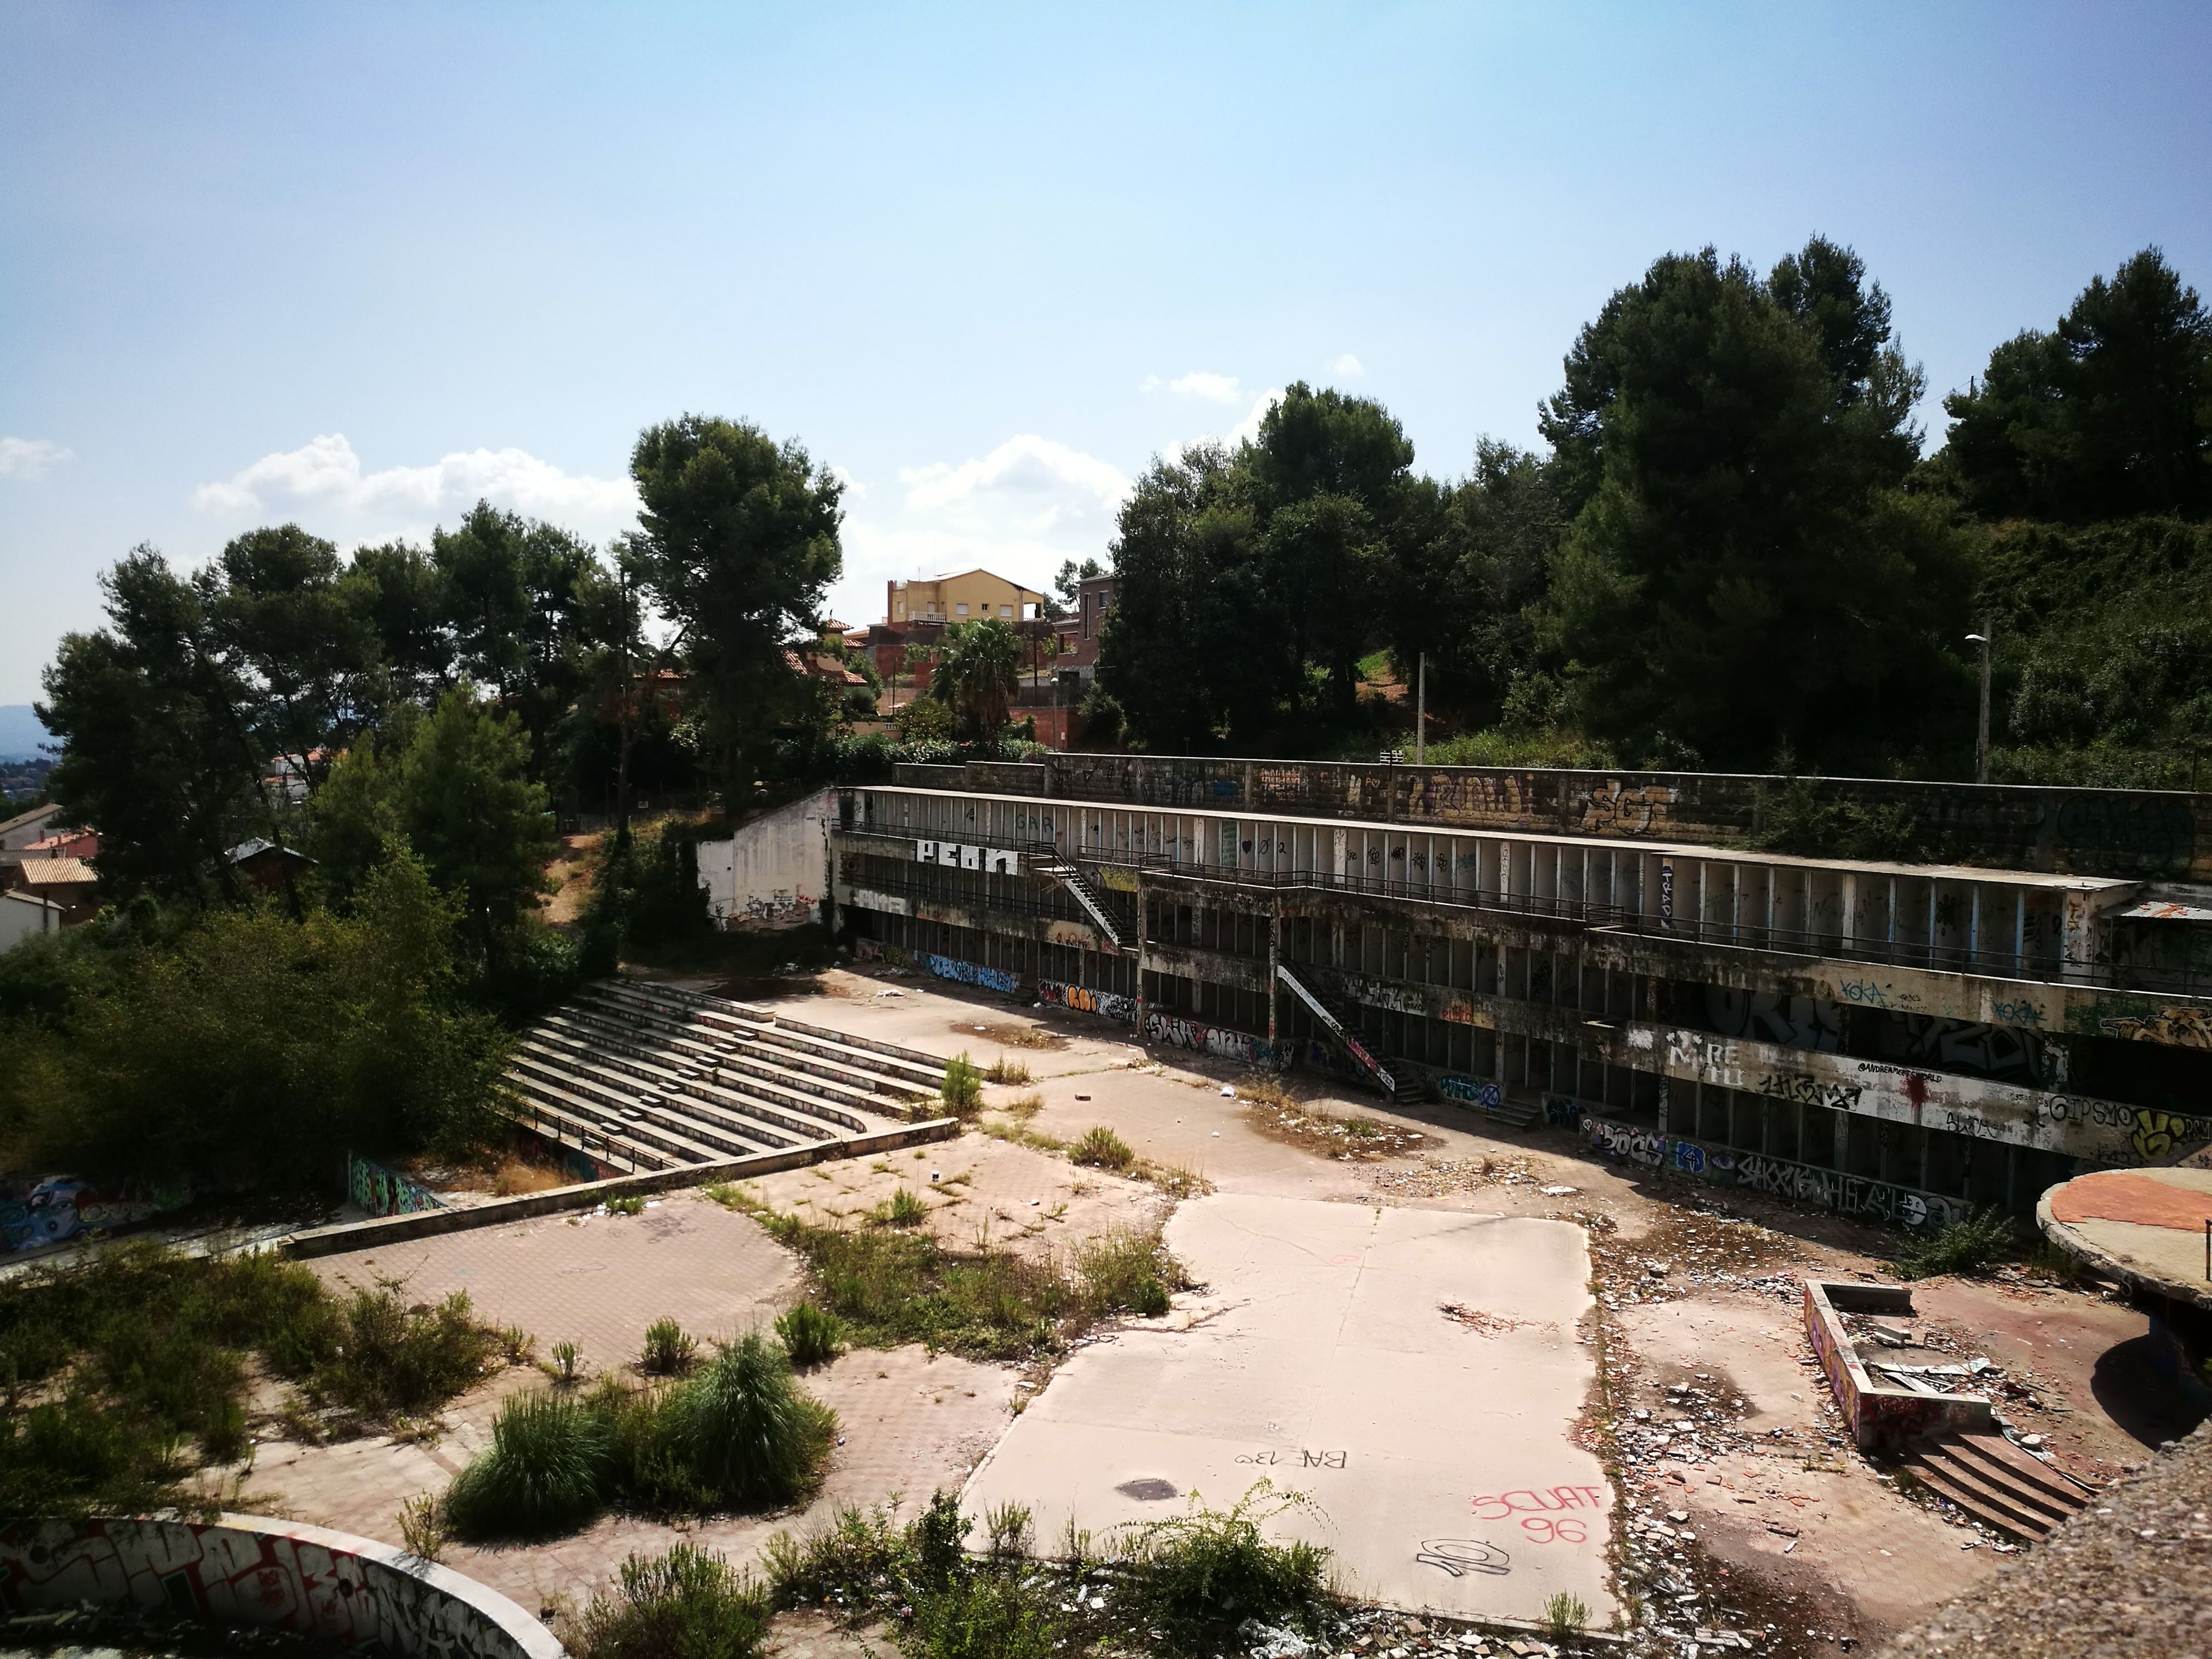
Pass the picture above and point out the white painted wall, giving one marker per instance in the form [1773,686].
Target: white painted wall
[773,872]
[23,916]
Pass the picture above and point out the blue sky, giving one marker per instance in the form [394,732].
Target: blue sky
[356,265]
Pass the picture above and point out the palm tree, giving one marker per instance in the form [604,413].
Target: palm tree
[980,674]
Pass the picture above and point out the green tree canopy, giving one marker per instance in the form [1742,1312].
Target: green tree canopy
[2109,415]
[155,721]
[463,798]
[738,544]
[1744,575]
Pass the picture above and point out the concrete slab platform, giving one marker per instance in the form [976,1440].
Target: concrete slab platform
[1438,1446]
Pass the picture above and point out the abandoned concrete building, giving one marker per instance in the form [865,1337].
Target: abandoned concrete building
[1609,952]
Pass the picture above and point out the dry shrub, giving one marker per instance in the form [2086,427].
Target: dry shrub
[518,1176]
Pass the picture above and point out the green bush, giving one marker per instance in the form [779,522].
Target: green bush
[985,1616]
[686,1604]
[139,1357]
[545,1472]
[1102,1149]
[1124,1272]
[1197,1576]
[746,1432]
[810,1336]
[1964,1247]
[963,1088]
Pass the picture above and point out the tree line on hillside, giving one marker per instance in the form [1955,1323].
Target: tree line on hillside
[1733,554]
[400,724]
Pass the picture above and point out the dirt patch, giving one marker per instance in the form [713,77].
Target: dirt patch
[1007,1033]
[1273,1112]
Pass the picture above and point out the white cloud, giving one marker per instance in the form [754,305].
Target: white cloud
[1200,385]
[1019,511]
[29,458]
[326,473]
[1245,429]
[1030,480]
[1346,367]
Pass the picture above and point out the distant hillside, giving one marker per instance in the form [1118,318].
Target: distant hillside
[21,734]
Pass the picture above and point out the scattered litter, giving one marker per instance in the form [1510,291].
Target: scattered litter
[1228,1093]
[1087,1097]
[932,1175]
[1558,1192]
[1216,1134]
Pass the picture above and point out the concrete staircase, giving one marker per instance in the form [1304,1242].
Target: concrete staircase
[1116,926]
[1997,1483]
[646,1077]
[1399,1091]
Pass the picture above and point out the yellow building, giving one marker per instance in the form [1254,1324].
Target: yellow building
[963,596]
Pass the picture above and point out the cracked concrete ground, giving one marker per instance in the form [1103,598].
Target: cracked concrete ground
[1824,1549]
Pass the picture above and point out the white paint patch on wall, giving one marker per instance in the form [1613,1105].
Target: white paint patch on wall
[773,872]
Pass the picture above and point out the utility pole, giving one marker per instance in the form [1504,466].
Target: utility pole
[1982,731]
[1421,712]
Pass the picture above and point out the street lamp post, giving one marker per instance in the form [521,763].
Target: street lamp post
[1982,730]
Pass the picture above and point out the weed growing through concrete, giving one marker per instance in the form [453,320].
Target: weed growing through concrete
[1564,1614]
[810,1336]
[670,1349]
[687,1602]
[1008,1071]
[634,1205]
[1182,1586]
[962,1090]
[892,1285]
[903,1208]
[1102,1149]
[422,1526]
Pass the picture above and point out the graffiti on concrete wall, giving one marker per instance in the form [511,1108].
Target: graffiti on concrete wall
[1217,1040]
[38,1212]
[349,1591]
[1969,1046]
[1108,1005]
[973,973]
[387,1191]
[1769,1017]
[1612,809]
[2186,1028]
[1810,1090]
[1475,1091]
[1854,1196]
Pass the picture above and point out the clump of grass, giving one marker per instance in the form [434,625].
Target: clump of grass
[985,1616]
[567,1366]
[1101,1148]
[686,1604]
[810,1336]
[670,1349]
[903,1208]
[747,1432]
[962,1090]
[1120,1271]
[633,1205]
[1564,1614]
[383,1358]
[1011,1527]
[545,1472]
[1008,1071]
[1022,1107]
[1198,1576]
[1964,1247]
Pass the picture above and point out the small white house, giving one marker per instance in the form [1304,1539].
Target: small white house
[25,915]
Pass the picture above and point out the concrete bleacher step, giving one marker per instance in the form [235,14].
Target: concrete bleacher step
[543,1107]
[924,1071]
[860,1078]
[1997,1483]
[682,1100]
[632,1120]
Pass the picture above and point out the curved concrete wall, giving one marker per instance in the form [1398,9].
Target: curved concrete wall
[247,1571]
